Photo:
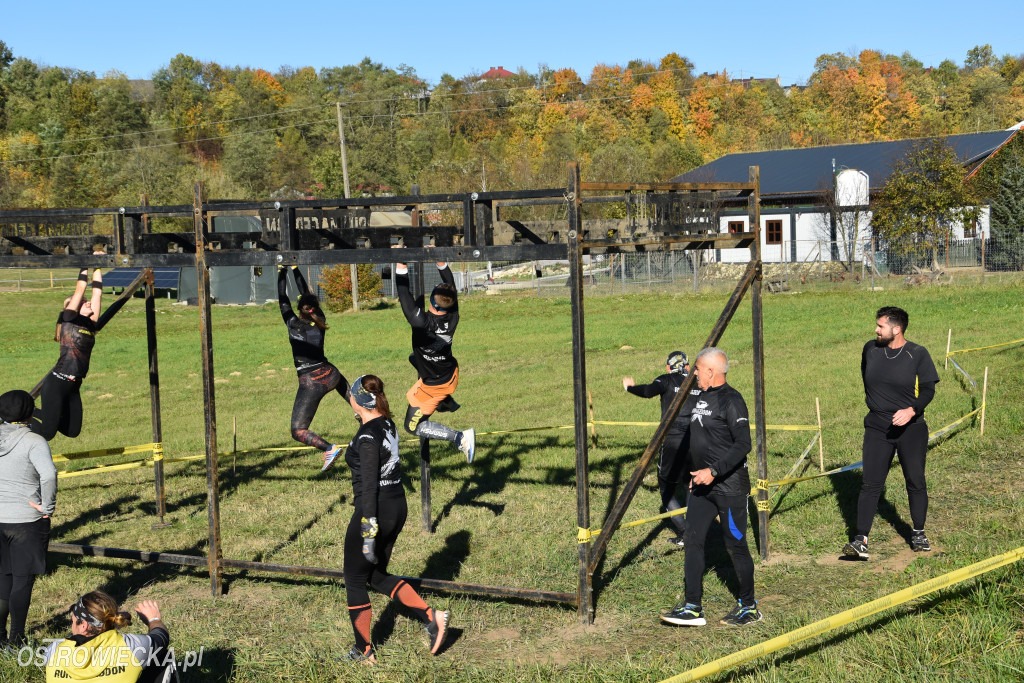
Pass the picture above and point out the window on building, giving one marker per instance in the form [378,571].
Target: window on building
[735,226]
[773,232]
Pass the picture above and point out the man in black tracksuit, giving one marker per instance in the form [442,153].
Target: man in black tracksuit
[719,444]
[673,464]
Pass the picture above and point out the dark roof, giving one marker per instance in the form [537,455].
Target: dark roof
[808,171]
[163,278]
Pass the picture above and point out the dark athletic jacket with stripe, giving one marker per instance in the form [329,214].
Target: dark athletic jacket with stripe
[667,386]
[720,439]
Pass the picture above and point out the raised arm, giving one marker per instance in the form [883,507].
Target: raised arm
[76,299]
[300,282]
[282,295]
[446,273]
[413,313]
[97,295]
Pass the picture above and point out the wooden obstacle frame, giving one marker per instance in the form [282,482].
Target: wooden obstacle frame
[660,216]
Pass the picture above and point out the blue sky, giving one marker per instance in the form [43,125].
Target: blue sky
[748,39]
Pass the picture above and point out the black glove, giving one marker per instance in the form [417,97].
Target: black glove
[368,527]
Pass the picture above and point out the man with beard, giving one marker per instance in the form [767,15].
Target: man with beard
[899,382]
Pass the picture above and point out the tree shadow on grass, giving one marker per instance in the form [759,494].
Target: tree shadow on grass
[847,487]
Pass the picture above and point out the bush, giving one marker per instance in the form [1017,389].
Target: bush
[337,284]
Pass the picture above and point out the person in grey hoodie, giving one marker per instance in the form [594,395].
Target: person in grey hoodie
[28,495]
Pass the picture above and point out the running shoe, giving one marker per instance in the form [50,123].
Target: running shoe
[742,615]
[467,443]
[919,542]
[858,548]
[678,541]
[436,630]
[330,456]
[367,658]
[685,615]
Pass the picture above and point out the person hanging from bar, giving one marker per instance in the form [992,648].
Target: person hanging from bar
[380,511]
[673,466]
[60,396]
[433,328]
[899,382]
[317,376]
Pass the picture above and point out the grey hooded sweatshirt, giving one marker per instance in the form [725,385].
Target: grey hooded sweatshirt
[26,474]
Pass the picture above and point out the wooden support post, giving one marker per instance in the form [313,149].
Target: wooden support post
[821,448]
[949,340]
[574,235]
[154,403]
[757,310]
[214,553]
[984,398]
[425,509]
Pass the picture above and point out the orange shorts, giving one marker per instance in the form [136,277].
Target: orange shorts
[427,396]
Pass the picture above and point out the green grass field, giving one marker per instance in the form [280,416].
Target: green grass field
[510,518]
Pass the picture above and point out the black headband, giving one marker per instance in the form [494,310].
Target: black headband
[82,614]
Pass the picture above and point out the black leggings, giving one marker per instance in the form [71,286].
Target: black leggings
[60,408]
[313,386]
[880,445]
[15,596]
[670,473]
[732,512]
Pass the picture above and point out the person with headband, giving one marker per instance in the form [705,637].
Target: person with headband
[28,496]
[95,651]
[317,376]
[60,396]
[378,518]
[433,328]
[672,464]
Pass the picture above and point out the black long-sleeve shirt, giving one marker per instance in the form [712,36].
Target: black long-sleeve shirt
[77,336]
[667,386]
[720,439]
[306,339]
[372,455]
[894,380]
[432,334]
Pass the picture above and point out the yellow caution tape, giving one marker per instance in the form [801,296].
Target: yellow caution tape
[762,505]
[982,348]
[583,535]
[105,468]
[123,450]
[158,452]
[849,616]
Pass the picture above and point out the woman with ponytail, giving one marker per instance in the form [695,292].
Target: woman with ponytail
[317,377]
[96,651]
[378,518]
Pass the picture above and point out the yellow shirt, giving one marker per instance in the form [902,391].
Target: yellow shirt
[105,658]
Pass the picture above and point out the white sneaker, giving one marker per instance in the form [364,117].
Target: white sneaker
[467,443]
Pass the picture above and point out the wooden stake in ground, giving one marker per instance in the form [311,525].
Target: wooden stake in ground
[821,449]
[984,395]
[593,427]
[949,338]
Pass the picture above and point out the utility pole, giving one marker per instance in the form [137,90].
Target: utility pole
[348,194]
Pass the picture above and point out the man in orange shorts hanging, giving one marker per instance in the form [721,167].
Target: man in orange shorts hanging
[433,327]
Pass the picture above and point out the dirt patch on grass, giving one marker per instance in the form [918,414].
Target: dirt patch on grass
[782,558]
[499,635]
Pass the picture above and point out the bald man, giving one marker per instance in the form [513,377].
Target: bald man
[719,443]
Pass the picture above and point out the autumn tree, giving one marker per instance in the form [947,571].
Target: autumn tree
[925,195]
[1007,215]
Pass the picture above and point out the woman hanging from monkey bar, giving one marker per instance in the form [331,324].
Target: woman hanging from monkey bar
[60,399]
[317,376]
